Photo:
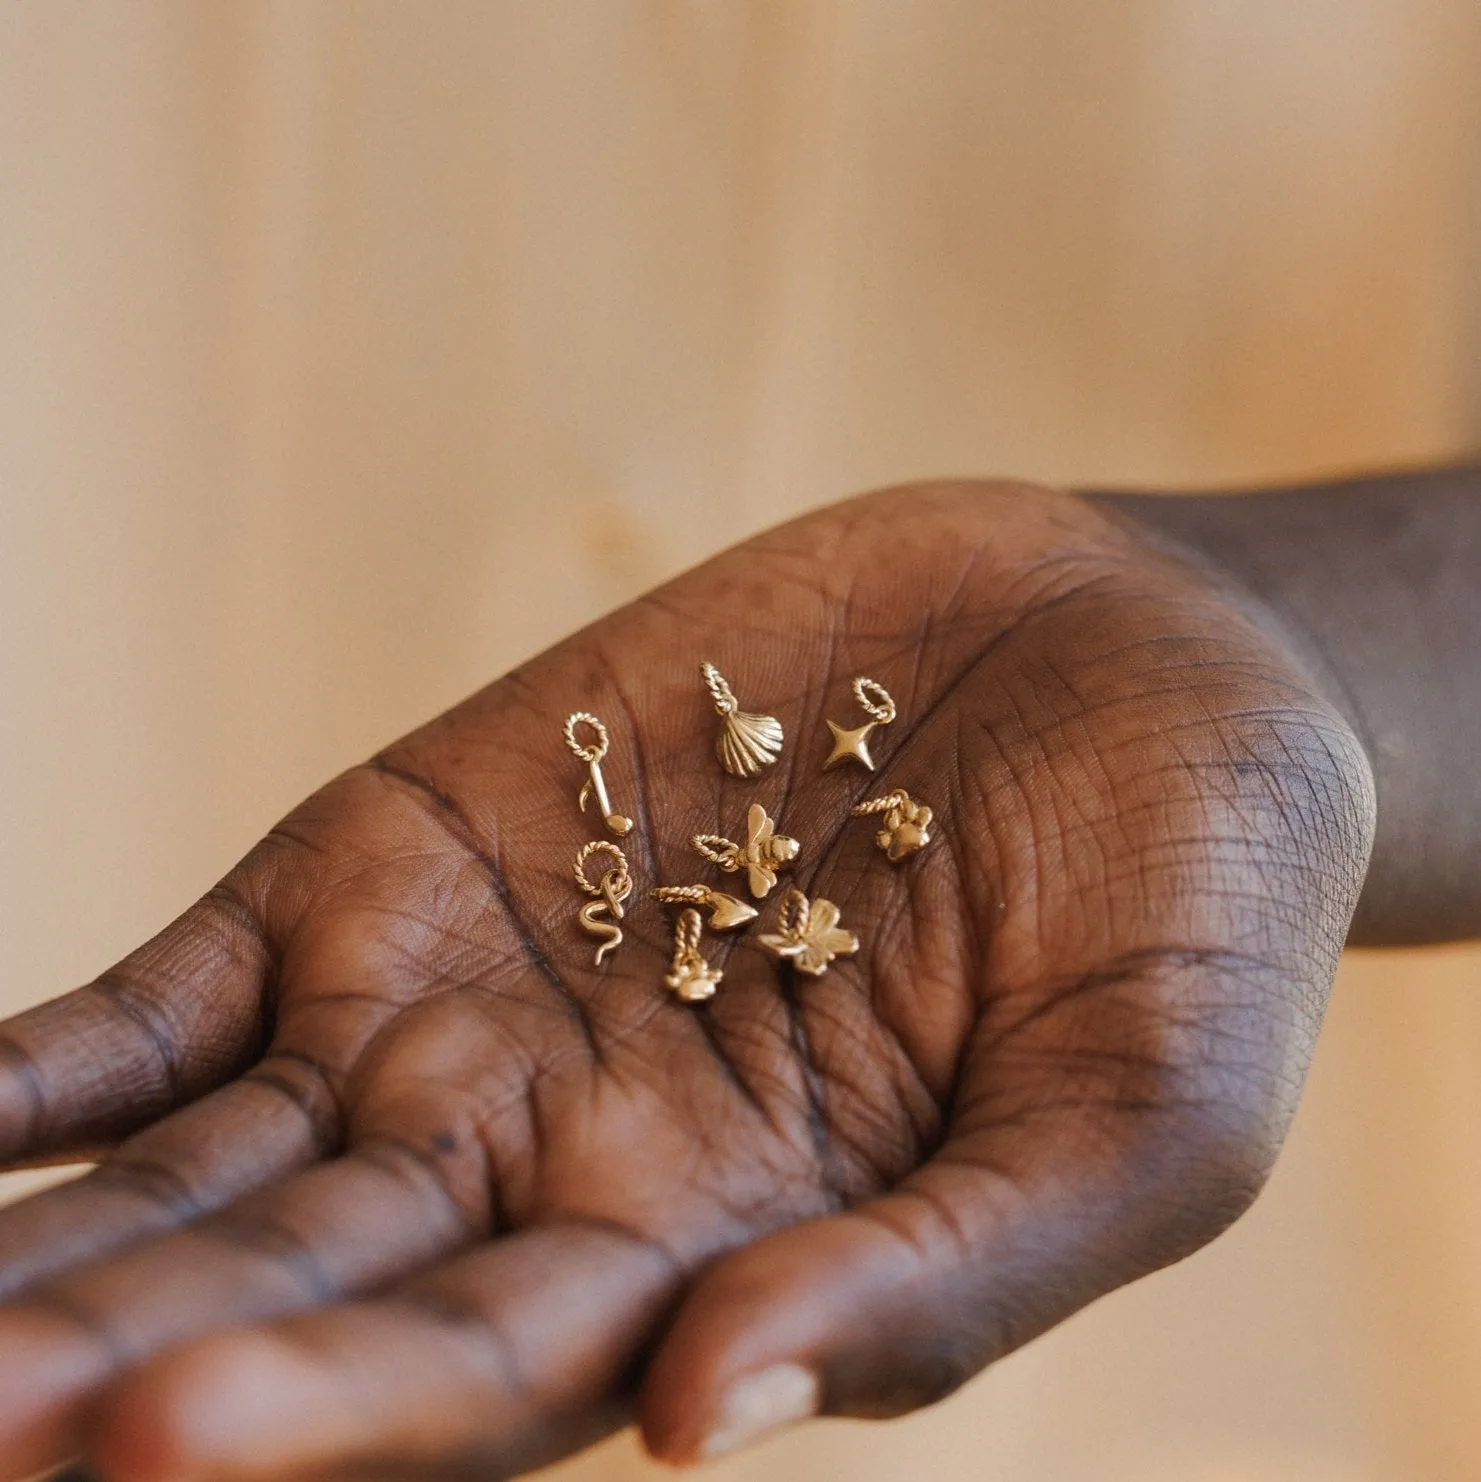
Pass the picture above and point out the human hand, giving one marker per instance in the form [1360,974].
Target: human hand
[397,1180]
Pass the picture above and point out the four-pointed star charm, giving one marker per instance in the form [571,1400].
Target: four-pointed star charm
[851,745]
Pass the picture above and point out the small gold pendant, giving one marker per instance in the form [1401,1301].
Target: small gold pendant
[905,827]
[595,785]
[726,912]
[746,742]
[691,978]
[809,936]
[854,745]
[610,891]
[763,854]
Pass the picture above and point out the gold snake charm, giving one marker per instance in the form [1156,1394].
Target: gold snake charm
[610,891]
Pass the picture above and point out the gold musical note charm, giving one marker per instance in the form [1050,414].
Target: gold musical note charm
[726,912]
[809,936]
[763,854]
[746,742]
[610,891]
[691,978]
[595,784]
[906,825]
[853,746]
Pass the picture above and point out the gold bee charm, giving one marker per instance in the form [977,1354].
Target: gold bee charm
[764,853]
[809,936]
[726,912]
[906,825]
[610,891]
[691,978]
[853,746]
[746,742]
[595,784]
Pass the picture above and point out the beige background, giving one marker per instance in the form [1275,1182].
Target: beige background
[350,352]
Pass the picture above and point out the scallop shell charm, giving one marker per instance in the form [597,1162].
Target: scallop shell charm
[746,743]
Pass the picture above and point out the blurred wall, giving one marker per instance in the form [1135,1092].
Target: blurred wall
[350,352]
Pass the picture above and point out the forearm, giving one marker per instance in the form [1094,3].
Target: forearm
[1379,584]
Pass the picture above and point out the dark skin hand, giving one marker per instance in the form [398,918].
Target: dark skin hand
[398,1182]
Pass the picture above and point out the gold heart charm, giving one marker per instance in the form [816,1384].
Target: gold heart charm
[726,912]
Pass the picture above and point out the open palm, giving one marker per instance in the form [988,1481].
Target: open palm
[396,1178]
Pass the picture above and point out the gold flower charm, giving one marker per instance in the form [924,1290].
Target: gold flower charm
[906,825]
[692,978]
[763,854]
[810,936]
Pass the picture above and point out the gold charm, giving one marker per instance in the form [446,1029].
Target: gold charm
[854,745]
[611,891]
[746,742]
[906,826]
[692,978]
[810,936]
[726,912]
[765,851]
[595,784]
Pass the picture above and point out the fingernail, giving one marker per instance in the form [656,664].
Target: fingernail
[764,1402]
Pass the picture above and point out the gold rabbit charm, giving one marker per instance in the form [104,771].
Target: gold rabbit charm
[853,746]
[610,891]
[906,825]
[595,784]
[691,978]
[726,912]
[746,742]
[764,853]
[809,936]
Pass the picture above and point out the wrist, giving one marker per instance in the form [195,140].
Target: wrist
[1371,587]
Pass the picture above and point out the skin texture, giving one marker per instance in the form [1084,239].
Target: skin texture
[399,1184]
[1378,583]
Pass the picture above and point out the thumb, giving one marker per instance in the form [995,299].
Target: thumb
[894,1304]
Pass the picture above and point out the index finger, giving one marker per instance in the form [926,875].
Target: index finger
[173,1020]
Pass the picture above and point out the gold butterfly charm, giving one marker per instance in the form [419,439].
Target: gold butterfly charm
[691,978]
[809,936]
[726,912]
[763,854]
[906,825]
[746,742]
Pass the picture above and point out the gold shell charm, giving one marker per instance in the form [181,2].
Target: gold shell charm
[809,936]
[691,978]
[726,912]
[853,746]
[746,742]
[906,825]
[764,853]
[611,891]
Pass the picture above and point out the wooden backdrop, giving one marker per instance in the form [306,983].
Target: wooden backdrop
[350,352]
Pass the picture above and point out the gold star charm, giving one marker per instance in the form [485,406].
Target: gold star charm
[810,936]
[850,745]
[853,745]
